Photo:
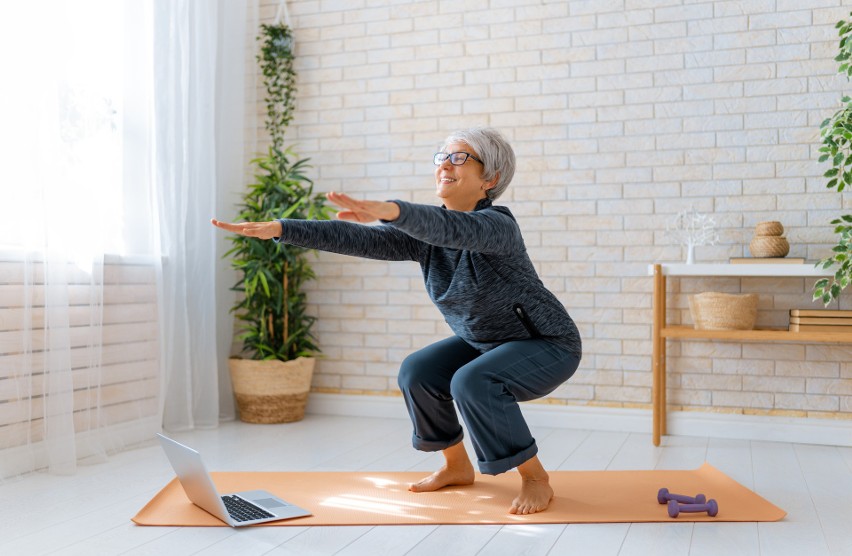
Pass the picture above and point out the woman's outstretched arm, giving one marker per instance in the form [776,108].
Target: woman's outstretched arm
[344,236]
[354,210]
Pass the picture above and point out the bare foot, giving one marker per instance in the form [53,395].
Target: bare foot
[458,471]
[445,476]
[535,496]
[536,493]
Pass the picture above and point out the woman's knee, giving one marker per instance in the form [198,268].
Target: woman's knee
[469,383]
[433,367]
[413,371]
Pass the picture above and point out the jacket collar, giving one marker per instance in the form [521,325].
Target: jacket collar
[482,203]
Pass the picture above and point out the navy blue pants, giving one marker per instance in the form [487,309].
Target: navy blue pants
[486,388]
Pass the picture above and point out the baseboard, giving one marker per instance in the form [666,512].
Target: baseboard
[680,423]
[383,407]
[799,430]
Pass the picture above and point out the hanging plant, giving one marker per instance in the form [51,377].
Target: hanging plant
[279,79]
[836,134]
[272,315]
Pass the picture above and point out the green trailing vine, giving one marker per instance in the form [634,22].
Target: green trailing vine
[271,313]
[279,79]
[836,135]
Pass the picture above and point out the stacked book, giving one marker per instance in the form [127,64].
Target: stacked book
[820,320]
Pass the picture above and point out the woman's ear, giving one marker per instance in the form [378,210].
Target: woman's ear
[491,184]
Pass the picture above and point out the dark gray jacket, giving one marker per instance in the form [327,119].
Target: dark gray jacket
[475,266]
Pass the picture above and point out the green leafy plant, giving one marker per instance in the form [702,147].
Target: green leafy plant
[279,79]
[272,310]
[836,135]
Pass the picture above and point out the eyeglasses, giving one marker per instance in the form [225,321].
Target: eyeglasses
[456,159]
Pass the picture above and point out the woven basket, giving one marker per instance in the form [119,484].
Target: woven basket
[723,311]
[770,228]
[769,247]
[271,391]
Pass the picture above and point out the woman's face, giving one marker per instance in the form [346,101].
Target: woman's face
[461,187]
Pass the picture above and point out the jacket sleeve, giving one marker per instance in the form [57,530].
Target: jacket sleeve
[490,230]
[380,242]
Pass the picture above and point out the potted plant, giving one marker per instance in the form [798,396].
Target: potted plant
[836,134]
[272,380]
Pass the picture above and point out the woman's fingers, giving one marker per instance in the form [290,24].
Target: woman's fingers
[338,199]
[358,211]
[224,225]
[262,230]
[353,210]
[345,201]
[347,215]
[355,216]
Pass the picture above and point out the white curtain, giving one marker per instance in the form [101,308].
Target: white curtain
[122,134]
[200,107]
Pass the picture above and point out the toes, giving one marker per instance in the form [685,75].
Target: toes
[526,508]
[418,486]
[519,508]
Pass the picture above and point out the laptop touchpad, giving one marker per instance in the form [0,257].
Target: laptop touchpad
[269,503]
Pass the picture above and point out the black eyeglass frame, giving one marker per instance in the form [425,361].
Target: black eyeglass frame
[449,156]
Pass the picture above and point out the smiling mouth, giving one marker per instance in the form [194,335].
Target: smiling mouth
[447,180]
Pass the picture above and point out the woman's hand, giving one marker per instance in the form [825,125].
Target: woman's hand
[363,211]
[354,210]
[262,230]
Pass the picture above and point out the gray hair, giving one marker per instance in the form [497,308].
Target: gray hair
[496,154]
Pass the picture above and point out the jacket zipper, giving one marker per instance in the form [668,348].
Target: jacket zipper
[525,320]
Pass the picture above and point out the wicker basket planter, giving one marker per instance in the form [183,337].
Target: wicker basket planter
[271,391]
[723,311]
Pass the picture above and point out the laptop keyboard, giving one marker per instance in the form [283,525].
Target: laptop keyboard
[241,510]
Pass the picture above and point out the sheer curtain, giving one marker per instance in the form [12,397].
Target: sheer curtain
[122,133]
[201,112]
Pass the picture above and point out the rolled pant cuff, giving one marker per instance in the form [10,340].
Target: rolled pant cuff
[435,445]
[505,464]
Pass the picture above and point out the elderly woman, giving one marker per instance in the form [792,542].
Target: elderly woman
[513,342]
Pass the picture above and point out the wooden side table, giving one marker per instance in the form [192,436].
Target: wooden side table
[662,332]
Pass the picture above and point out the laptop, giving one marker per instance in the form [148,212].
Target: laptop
[238,509]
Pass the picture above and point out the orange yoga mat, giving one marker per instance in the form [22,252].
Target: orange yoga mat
[382,498]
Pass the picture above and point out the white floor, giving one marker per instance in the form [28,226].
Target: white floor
[89,513]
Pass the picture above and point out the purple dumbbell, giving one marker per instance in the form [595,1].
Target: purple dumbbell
[711,507]
[663,497]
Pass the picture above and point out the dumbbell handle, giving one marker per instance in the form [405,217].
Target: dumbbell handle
[681,499]
[663,496]
[711,507]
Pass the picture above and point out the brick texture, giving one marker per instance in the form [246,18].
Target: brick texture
[622,114]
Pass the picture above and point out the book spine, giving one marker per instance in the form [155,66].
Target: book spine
[833,321]
[819,328]
[825,313]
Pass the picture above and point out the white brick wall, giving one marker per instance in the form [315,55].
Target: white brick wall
[622,114]
[126,386]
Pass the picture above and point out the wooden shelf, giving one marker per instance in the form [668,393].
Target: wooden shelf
[757,335]
[662,331]
[742,270]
